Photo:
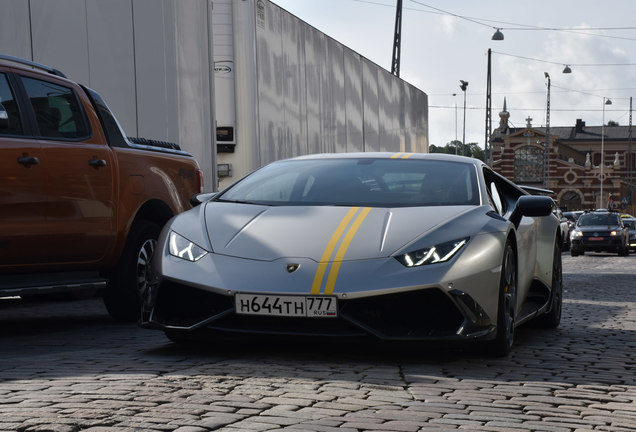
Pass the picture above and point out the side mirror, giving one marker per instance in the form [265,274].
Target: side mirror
[199,199]
[4,118]
[531,206]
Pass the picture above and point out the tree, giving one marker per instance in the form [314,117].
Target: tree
[455,147]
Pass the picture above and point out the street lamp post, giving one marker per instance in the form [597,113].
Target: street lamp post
[463,85]
[606,101]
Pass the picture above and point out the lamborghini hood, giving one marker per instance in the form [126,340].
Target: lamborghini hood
[320,233]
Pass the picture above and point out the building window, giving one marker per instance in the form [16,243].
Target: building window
[529,164]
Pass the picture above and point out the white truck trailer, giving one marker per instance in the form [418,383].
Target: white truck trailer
[237,83]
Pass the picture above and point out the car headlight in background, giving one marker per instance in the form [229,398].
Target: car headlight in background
[183,248]
[577,233]
[432,255]
[614,233]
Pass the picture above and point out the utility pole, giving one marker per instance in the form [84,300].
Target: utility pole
[630,162]
[487,148]
[395,60]
[546,168]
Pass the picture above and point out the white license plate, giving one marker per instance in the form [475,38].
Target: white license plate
[286,305]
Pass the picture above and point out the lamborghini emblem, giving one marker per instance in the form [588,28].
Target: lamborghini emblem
[292,267]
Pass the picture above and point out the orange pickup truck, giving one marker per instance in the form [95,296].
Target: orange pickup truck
[81,204]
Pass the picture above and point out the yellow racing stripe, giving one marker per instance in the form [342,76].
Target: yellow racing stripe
[335,267]
[333,241]
[401,155]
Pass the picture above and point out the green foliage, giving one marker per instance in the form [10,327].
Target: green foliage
[455,147]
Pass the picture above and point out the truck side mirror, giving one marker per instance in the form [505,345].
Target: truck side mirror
[4,118]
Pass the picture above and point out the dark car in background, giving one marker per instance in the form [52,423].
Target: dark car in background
[599,231]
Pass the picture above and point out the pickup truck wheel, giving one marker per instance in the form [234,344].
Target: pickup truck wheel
[128,281]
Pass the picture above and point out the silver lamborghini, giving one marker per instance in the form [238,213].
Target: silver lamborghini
[394,246]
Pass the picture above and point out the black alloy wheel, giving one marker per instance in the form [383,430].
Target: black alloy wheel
[552,318]
[502,344]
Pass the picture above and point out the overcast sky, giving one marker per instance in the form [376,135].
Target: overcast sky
[446,41]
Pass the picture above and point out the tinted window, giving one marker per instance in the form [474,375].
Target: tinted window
[57,110]
[364,182]
[9,104]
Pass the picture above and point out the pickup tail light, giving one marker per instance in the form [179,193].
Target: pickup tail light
[200,182]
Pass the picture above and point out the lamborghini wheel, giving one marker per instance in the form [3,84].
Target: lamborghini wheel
[502,344]
[553,317]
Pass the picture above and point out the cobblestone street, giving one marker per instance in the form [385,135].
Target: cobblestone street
[68,367]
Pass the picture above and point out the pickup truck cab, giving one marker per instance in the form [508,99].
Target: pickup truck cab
[81,204]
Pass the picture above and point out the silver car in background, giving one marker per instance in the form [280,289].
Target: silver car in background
[630,222]
[393,246]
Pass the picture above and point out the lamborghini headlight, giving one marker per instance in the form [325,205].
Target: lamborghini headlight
[431,255]
[183,248]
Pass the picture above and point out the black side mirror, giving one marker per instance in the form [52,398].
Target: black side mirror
[531,206]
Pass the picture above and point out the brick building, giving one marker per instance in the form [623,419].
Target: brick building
[574,172]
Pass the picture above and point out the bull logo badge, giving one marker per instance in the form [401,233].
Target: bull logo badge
[292,267]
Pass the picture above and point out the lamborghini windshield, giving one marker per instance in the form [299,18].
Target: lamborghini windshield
[371,182]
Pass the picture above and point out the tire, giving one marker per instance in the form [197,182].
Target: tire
[552,318]
[502,344]
[128,281]
[575,253]
[623,251]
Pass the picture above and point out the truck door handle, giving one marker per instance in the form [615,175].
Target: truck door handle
[97,163]
[28,160]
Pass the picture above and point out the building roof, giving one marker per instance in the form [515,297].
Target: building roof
[579,132]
